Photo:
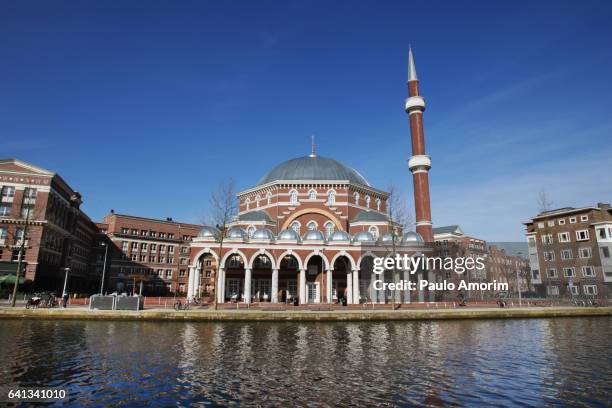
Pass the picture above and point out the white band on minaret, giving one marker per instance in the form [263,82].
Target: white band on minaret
[415,102]
[419,162]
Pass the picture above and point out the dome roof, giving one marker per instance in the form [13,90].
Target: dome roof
[288,235]
[314,235]
[236,233]
[208,232]
[363,236]
[339,236]
[256,215]
[412,236]
[372,216]
[387,237]
[263,233]
[313,168]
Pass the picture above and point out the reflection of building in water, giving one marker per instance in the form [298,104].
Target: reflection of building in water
[309,229]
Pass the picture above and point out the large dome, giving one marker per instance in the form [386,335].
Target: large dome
[313,168]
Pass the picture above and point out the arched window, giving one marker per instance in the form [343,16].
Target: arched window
[250,231]
[331,197]
[329,228]
[374,231]
[247,202]
[269,196]
[378,204]
[296,227]
[293,197]
[356,197]
[312,194]
[367,201]
[257,200]
[312,225]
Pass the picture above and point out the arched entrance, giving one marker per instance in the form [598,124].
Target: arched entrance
[261,285]
[315,285]
[234,278]
[288,278]
[341,279]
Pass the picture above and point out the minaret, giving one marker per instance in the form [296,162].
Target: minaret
[419,163]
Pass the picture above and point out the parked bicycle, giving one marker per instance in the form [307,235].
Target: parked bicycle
[178,305]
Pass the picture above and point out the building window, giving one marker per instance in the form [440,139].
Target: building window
[584,218]
[553,290]
[208,262]
[269,197]
[585,252]
[540,225]
[8,194]
[587,271]
[124,246]
[331,197]
[561,221]
[564,237]
[5,210]
[312,225]
[168,273]
[551,223]
[374,231]
[378,204]
[170,249]
[329,229]
[590,289]
[257,200]
[250,231]
[566,254]
[356,198]
[247,203]
[535,274]
[552,272]
[234,261]
[573,289]
[605,252]
[582,235]
[549,256]
[569,272]
[293,197]
[182,272]
[547,239]
[296,227]
[367,201]
[312,194]
[572,220]
[125,230]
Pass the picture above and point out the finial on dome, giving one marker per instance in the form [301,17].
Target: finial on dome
[312,143]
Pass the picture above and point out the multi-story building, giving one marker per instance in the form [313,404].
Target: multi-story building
[154,252]
[450,241]
[39,209]
[570,251]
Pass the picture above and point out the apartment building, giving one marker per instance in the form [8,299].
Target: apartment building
[148,252]
[570,251]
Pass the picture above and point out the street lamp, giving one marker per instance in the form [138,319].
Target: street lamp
[103,267]
[65,281]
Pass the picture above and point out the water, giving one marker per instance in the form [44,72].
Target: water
[531,362]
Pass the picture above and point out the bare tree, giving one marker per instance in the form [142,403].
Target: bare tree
[544,203]
[398,209]
[223,209]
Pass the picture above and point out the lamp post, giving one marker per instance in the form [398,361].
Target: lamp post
[103,267]
[65,281]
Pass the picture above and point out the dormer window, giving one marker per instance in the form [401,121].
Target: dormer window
[312,225]
[296,227]
[257,200]
[312,194]
[269,197]
[329,228]
[331,197]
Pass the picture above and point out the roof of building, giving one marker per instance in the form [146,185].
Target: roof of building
[449,229]
[256,215]
[370,216]
[313,168]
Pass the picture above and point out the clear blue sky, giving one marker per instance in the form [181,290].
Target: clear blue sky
[146,106]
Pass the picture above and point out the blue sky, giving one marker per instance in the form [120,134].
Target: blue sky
[145,107]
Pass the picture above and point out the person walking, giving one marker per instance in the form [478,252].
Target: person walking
[65,300]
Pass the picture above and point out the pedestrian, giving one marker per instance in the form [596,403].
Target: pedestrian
[65,300]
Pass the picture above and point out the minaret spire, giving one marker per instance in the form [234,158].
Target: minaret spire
[312,146]
[412,75]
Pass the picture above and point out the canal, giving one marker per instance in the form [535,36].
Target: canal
[522,362]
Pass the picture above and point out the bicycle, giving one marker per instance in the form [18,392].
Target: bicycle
[178,305]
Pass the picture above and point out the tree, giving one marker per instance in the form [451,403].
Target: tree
[544,203]
[223,209]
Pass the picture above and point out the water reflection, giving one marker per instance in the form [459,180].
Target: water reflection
[506,362]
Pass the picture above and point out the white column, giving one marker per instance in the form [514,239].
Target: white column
[356,286]
[302,286]
[330,291]
[349,287]
[220,285]
[247,285]
[420,291]
[274,294]
[406,292]
[196,280]
[191,283]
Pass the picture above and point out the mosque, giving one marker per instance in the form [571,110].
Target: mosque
[309,229]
